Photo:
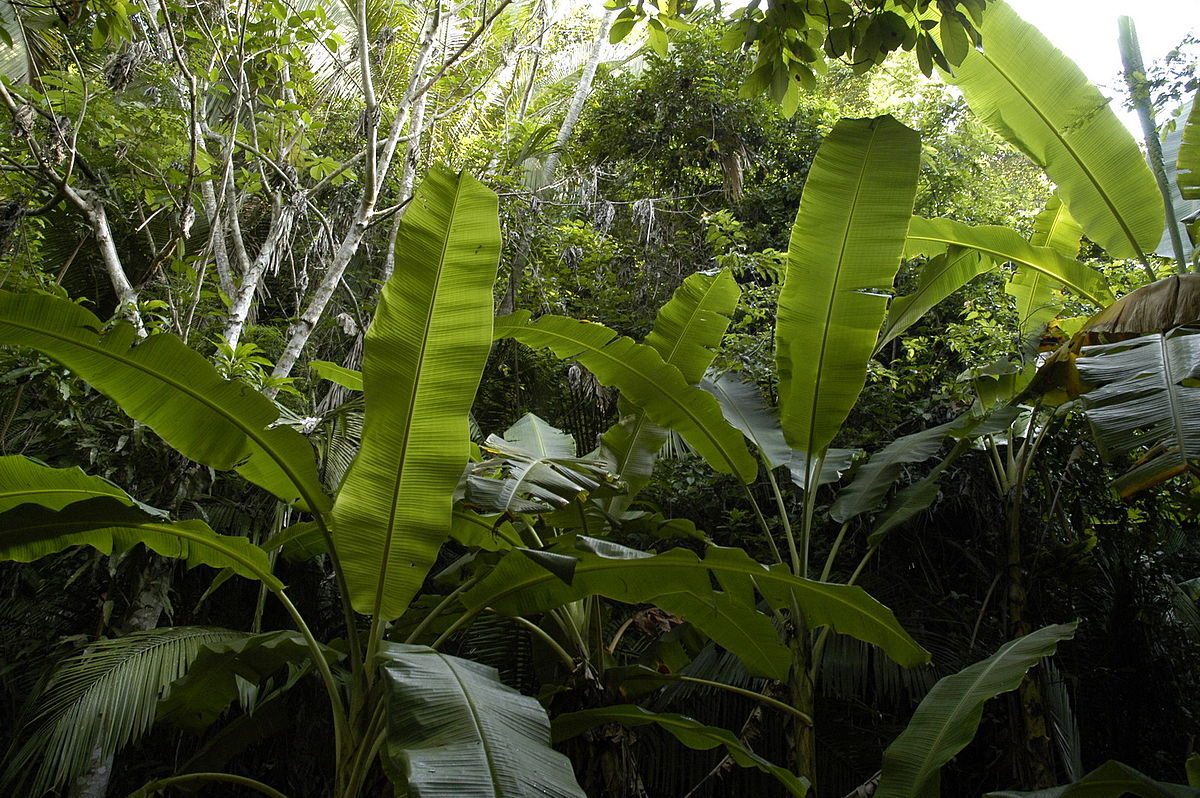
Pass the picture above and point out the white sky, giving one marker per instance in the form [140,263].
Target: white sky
[1086,30]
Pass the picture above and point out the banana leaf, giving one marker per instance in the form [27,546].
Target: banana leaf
[690,732]
[1054,227]
[454,729]
[873,479]
[223,424]
[944,274]
[349,379]
[423,356]
[1172,149]
[680,583]
[1146,400]
[645,379]
[935,236]
[26,481]
[745,408]
[842,260]
[211,684]
[1110,780]
[947,718]
[687,332]
[1039,101]
[107,524]
[1187,164]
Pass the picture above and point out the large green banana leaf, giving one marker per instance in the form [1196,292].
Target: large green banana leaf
[1033,290]
[842,260]
[643,377]
[1037,99]
[946,720]
[690,732]
[1172,146]
[1054,227]
[1143,402]
[1110,780]
[687,332]
[1187,164]
[935,236]
[454,730]
[223,424]
[681,583]
[944,274]
[745,408]
[26,481]
[423,356]
[31,531]
[213,681]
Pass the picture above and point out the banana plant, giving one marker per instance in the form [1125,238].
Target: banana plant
[423,357]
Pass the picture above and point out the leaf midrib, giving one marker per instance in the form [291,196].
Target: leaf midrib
[250,432]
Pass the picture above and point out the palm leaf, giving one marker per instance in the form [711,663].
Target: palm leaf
[935,236]
[687,332]
[946,720]
[744,407]
[223,424]
[1143,401]
[1187,164]
[1038,100]
[31,531]
[454,729]
[944,274]
[690,732]
[641,374]
[680,583]
[422,360]
[1110,780]
[103,699]
[844,254]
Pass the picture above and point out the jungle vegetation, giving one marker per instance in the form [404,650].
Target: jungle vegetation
[513,398]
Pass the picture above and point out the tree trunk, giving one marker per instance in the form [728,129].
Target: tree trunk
[582,91]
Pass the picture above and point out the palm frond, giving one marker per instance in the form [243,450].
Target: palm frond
[101,700]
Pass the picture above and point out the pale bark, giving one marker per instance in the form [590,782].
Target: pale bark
[583,90]
[377,166]
[281,229]
[92,206]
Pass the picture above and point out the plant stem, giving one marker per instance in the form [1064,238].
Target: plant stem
[440,608]
[546,638]
[833,552]
[762,521]
[783,518]
[230,778]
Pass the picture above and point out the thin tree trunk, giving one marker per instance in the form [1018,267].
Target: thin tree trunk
[301,330]
[582,91]
[92,206]
[1139,95]
[281,230]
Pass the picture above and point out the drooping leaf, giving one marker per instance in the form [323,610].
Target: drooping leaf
[946,720]
[942,276]
[1141,403]
[1110,780]
[842,259]
[104,699]
[201,695]
[349,379]
[423,356]
[690,732]
[513,479]
[745,408]
[687,332]
[1187,164]
[934,236]
[834,463]
[1033,293]
[31,531]
[641,374]
[454,729]
[26,481]
[873,479]
[1040,102]
[680,583]
[487,531]
[223,424]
